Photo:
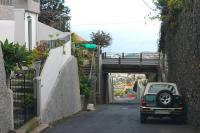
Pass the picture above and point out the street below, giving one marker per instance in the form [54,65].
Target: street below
[116,118]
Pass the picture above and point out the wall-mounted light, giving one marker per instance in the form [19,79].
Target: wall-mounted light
[29,18]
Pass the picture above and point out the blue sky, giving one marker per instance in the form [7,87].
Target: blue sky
[126,20]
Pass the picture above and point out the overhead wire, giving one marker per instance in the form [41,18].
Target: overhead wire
[116,23]
[112,23]
[148,5]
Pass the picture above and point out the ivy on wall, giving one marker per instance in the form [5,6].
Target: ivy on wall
[169,10]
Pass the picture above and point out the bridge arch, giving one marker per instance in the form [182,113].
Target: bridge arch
[125,63]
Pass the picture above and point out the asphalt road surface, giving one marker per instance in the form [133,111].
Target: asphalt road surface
[119,118]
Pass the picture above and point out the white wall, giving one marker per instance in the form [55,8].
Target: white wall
[50,72]
[64,99]
[14,25]
[6,12]
[44,31]
[21,27]
[59,94]
[7,28]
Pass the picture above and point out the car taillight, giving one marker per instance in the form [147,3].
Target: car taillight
[143,103]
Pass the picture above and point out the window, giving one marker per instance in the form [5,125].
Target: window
[158,87]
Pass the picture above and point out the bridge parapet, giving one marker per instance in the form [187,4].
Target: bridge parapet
[131,58]
[155,55]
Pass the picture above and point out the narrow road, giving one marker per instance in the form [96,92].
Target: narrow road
[123,118]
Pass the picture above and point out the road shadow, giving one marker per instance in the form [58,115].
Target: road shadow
[163,121]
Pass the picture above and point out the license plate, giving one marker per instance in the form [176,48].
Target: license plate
[164,112]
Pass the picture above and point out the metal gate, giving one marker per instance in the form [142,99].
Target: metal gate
[24,97]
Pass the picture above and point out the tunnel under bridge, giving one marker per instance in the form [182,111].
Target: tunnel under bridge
[124,63]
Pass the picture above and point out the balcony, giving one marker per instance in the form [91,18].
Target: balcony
[6,2]
[28,5]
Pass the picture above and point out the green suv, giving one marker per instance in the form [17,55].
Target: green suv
[160,100]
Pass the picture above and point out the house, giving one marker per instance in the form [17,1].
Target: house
[7,22]
[19,23]
[58,92]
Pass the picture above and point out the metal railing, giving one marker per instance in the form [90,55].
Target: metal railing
[131,58]
[54,43]
[6,2]
[24,97]
[106,55]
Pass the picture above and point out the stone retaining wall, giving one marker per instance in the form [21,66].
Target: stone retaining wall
[182,46]
[6,102]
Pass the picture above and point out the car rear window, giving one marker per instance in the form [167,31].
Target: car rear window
[158,87]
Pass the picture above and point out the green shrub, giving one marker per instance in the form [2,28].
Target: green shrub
[85,86]
[119,92]
[28,100]
[169,11]
[15,56]
[40,53]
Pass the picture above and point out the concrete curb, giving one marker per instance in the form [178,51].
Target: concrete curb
[40,128]
[33,126]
